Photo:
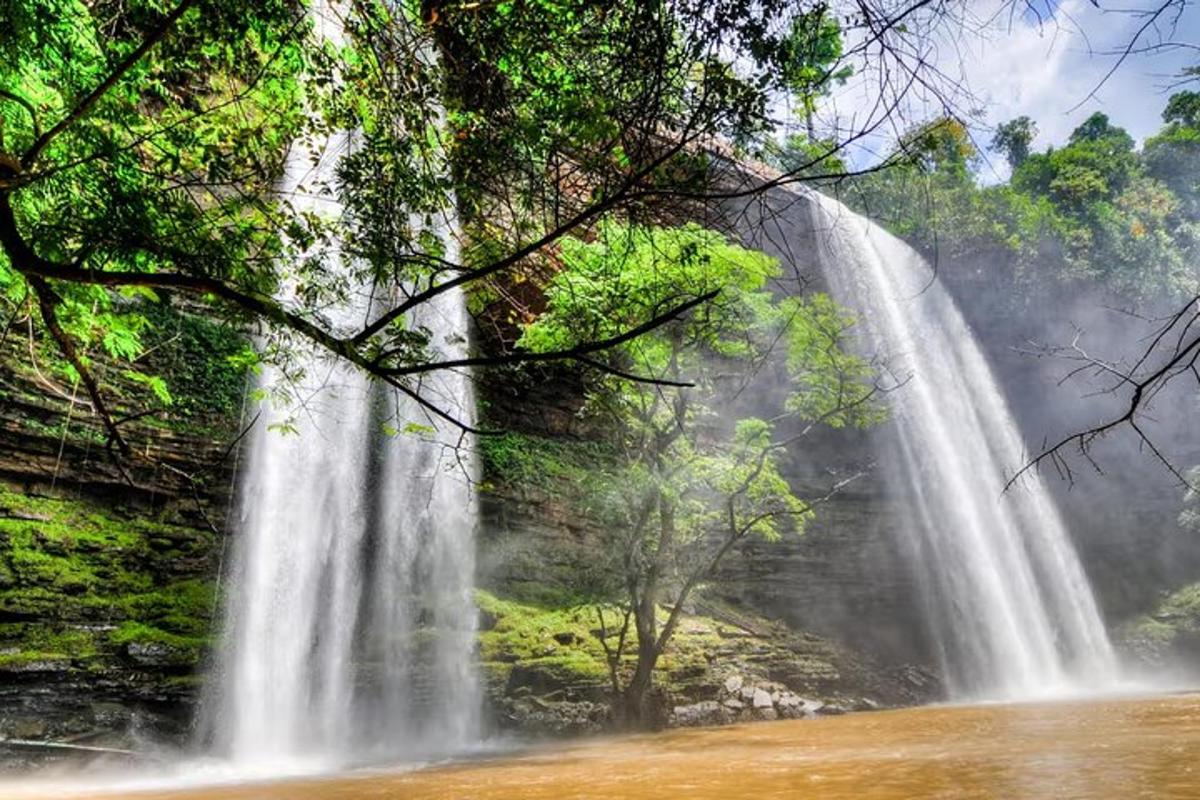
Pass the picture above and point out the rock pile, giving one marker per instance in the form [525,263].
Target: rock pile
[741,701]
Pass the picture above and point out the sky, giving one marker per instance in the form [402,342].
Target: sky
[1052,69]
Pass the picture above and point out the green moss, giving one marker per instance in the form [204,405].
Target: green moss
[28,658]
[131,632]
[552,466]
[527,633]
[34,641]
[78,568]
[547,645]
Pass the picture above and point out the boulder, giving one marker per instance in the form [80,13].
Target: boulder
[813,706]
[733,684]
[761,699]
[706,712]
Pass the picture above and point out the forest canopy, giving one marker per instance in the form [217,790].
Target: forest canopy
[184,153]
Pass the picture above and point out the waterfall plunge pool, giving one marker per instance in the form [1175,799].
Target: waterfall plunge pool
[1121,747]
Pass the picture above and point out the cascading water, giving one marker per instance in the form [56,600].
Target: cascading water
[350,623]
[1012,610]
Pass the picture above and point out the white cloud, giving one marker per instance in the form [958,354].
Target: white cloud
[1011,65]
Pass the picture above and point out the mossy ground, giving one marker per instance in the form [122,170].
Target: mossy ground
[556,649]
[80,581]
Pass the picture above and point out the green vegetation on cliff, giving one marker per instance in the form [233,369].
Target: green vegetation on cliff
[554,467]
[80,581]
[1170,631]
[546,668]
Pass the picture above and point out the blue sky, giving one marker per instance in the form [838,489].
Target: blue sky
[1049,69]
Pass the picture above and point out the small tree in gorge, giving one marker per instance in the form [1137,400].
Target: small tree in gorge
[696,477]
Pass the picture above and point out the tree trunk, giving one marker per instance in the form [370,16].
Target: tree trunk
[638,711]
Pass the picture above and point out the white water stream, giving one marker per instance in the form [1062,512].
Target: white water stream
[1011,608]
[349,619]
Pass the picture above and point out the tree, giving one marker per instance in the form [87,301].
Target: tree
[1173,154]
[1013,138]
[813,62]
[698,472]
[142,146]
[1183,110]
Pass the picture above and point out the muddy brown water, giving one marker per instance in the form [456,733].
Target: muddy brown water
[1146,747]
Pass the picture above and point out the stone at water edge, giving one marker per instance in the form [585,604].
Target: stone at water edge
[762,699]
[788,700]
[733,683]
[706,712]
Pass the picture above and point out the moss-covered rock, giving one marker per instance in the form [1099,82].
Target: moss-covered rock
[1169,635]
[99,608]
[546,670]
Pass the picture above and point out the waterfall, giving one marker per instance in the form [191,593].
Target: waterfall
[1011,608]
[349,627]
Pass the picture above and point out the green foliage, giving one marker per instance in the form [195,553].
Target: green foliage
[812,62]
[672,442]
[522,462]
[171,169]
[201,363]
[813,65]
[690,479]
[1175,622]
[1183,110]
[1013,139]
[1094,210]
[143,145]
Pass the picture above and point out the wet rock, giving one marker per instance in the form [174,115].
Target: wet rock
[765,714]
[28,729]
[538,716]
[706,712]
[45,666]
[152,654]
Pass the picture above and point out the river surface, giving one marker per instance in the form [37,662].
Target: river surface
[1115,748]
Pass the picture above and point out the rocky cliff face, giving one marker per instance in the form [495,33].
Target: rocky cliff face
[106,571]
